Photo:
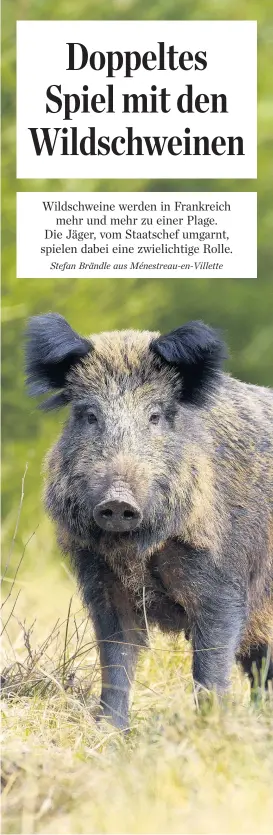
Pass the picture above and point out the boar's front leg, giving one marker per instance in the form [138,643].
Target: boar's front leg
[117,634]
[118,657]
[218,622]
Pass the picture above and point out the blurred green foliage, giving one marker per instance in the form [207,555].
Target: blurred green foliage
[242,308]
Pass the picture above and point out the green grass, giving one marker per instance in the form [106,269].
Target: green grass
[180,770]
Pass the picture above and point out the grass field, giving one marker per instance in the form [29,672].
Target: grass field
[180,770]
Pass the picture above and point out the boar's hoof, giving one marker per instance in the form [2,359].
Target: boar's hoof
[119,722]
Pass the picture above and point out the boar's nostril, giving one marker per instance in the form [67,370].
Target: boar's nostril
[117,515]
[129,514]
[107,512]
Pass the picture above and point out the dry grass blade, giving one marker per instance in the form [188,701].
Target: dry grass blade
[65,640]
[16,572]
[16,526]
[145,617]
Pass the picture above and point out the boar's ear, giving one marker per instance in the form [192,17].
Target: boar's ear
[197,352]
[52,349]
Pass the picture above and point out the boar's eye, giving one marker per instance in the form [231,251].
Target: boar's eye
[154,418]
[92,418]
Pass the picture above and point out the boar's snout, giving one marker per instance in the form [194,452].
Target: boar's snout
[118,513]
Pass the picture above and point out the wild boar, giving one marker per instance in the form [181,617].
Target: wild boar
[161,488]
